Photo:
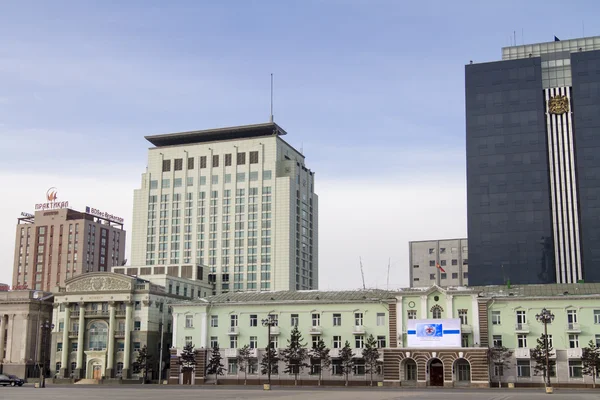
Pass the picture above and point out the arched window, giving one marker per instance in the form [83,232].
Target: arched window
[436,312]
[119,371]
[98,336]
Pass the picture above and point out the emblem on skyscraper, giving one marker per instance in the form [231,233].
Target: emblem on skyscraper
[558,104]
[51,194]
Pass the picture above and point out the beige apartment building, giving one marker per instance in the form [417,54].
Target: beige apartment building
[452,256]
[57,244]
[238,201]
[24,342]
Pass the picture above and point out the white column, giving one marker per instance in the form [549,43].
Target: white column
[449,307]
[424,307]
[204,330]
[400,338]
[80,338]
[111,340]
[2,335]
[127,355]
[174,329]
[64,360]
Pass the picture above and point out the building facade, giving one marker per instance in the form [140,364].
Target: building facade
[23,342]
[452,257]
[238,200]
[101,320]
[532,191]
[55,245]
[233,320]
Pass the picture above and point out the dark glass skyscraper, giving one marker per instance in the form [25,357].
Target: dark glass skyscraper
[533,164]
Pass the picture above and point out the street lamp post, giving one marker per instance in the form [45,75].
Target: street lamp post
[546,317]
[269,322]
[41,298]
[45,327]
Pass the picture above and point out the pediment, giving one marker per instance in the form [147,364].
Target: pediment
[99,283]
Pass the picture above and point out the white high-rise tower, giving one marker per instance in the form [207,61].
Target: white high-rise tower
[237,201]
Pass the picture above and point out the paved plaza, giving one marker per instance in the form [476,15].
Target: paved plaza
[155,392]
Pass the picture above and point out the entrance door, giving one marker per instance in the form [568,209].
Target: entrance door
[436,373]
[187,377]
[97,374]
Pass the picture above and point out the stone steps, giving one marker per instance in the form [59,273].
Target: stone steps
[87,382]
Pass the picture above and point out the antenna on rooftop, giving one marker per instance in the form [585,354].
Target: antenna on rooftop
[271,97]
[362,273]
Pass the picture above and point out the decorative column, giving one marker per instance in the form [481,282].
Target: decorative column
[79,369]
[66,349]
[127,355]
[2,336]
[110,363]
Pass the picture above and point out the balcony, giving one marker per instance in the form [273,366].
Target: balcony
[96,313]
[119,334]
[73,334]
[522,328]
[358,330]
[121,313]
[466,329]
[74,314]
[573,327]
[231,353]
[254,353]
[233,331]
[574,353]
[316,330]
[334,352]
[522,353]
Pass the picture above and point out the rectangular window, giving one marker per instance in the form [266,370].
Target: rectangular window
[316,319]
[443,275]
[214,321]
[253,342]
[521,317]
[166,167]
[432,263]
[233,342]
[294,321]
[241,158]
[166,183]
[462,315]
[358,319]
[214,342]
[496,320]
[189,321]
[337,342]
[202,161]
[598,342]
[522,341]
[74,346]
[266,175]
[497,340]
[465,340]
[138,305]
[188,340]
[455,275]
[575,369]
[215,161]
[233,320]
[59,347]
[523,368]
[253,320]
[359,341]
[137,346]
[380,319]
[254,157]
[381,342]
[337,319]
[190,163]
[454,262]
[228,160]
[315,340]
[178,165]
[573,341]
[411,314]
[232,365]
[137,325]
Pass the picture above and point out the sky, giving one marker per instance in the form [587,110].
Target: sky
[372,91]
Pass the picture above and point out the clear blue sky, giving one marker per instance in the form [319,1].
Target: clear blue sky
[372,90]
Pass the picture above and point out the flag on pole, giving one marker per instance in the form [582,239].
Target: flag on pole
[440,268]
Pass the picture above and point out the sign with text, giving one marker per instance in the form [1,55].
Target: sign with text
[102,214]
[26,215]
[433,333]
[52,201]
